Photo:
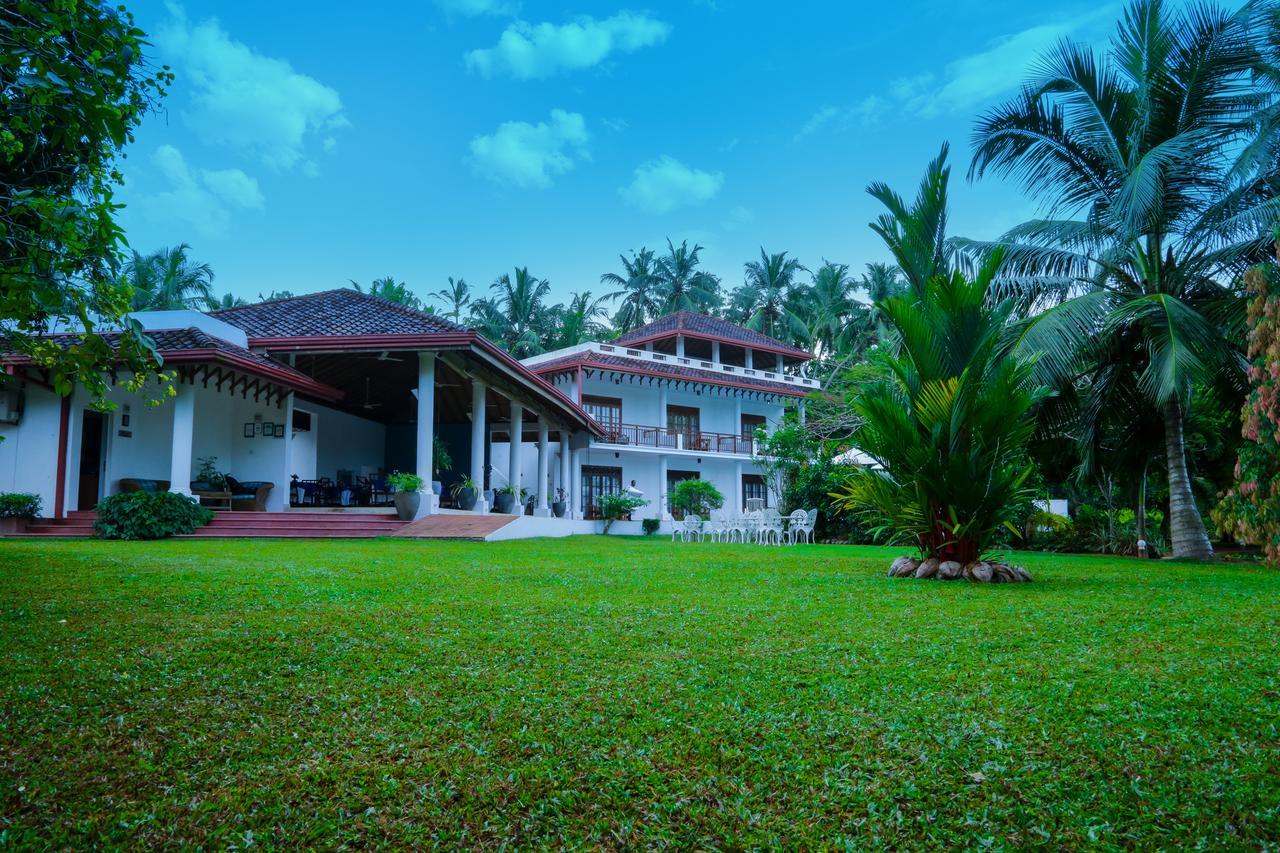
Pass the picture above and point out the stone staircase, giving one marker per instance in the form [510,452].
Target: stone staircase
[284,525]
[301,525]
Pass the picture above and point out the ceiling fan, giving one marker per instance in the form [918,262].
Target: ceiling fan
[383,356]
[368,404]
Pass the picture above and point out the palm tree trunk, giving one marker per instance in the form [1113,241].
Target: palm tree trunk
[1141,514]
[1186,527]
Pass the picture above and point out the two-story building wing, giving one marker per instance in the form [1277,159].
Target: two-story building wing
[679,398]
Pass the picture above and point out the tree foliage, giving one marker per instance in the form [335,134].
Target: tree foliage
[1250,510]
[697,497]
[74,85]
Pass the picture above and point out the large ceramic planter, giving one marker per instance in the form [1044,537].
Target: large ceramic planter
[12,526]
[558,508]
[504,502]
[407,504]
[467,499]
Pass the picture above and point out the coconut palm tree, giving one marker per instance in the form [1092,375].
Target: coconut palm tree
[770,281]
[682,286]
[1136,154]
[227,300]
[520,300]
[457,296]
[391,290]
[881,282]
[168,280]
[637,288]
[581,320]
[837,321]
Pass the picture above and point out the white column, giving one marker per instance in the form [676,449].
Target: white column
[479,437]
[426,429]
[679,346]
[737,414]
[800,411]
[662,408]
[747,359]
[513,458]
[663,511]
[564,473]
[281,496]
[544,458]
[737,488]
[575,494]
[715,352]
[184,420]
[780,364]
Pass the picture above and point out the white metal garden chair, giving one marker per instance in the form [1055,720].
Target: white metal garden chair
[691,528]
[795,526]
[771,531]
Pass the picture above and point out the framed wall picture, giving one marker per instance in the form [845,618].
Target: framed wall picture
[268,430]
[279,430]
[248,430]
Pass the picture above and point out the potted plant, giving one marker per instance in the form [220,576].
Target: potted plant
[559,505]
[505,498]
[466,493]
[407,496]
[209,475]
[440,461]
[17,509]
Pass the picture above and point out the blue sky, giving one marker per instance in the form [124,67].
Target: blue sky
[307,144]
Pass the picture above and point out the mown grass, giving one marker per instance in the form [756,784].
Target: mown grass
[619,693]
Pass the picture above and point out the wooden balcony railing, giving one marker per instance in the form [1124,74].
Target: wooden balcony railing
[660,437]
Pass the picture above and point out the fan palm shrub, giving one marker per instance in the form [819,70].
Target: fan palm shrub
[1147,160]
[948,420]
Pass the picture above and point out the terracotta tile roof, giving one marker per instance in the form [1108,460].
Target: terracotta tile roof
[333,313]
[595,360]
[174,345]
[703,325]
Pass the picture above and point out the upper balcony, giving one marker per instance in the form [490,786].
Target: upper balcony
[660,438]
[803,384]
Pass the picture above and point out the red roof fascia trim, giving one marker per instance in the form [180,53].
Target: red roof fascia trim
[444,340]
[780,350]
[560,397]
[284,377]
[782,389]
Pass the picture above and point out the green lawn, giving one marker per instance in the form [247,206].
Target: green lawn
[610,692]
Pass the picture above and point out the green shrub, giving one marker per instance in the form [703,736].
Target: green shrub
[650,526]
[696,497]
[619,505]
[149,515]
[402,481]
[19,505]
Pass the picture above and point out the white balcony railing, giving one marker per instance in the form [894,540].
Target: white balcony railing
[679,361]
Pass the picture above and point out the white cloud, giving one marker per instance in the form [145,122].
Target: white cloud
[972,81]
[533,51]
[529,155]
[965,84]
[662,185]
[203,198]
[256,104]
[472,8]
[739,217]
[865,113]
